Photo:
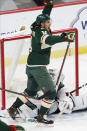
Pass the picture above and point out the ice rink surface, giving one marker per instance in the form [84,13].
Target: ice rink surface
[66,122]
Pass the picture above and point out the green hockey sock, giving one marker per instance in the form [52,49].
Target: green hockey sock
[18,103]
[43,110]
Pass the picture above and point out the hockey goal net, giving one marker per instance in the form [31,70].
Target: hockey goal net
[13,57]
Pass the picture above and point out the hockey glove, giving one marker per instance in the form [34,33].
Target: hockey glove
[48,2]
[70,36]
[69,105]
[68,94]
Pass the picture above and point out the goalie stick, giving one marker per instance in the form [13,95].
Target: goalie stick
[78,88]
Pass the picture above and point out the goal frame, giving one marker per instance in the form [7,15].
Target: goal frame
[2,41]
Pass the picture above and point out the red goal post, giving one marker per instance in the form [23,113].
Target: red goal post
[2,41]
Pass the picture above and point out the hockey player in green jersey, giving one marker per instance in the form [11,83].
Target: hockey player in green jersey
[39,57]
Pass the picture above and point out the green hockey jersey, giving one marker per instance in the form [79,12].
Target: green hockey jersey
[41,42]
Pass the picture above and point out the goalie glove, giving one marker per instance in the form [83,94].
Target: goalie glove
[69,105]
[70,36]
[48,2]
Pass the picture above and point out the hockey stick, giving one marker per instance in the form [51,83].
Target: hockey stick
[25,95]
[14,92]
[57,82]
[78,88]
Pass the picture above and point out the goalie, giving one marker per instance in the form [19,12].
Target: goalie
[73,103]
[38,59]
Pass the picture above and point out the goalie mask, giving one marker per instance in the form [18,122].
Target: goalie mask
[42,18]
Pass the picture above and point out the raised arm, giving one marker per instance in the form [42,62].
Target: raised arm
[48,7]
[47,10]
[53,39]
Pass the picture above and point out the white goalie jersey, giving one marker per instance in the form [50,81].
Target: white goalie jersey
[73,102]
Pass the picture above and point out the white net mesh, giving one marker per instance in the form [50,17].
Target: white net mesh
[15,63]
[69,65]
